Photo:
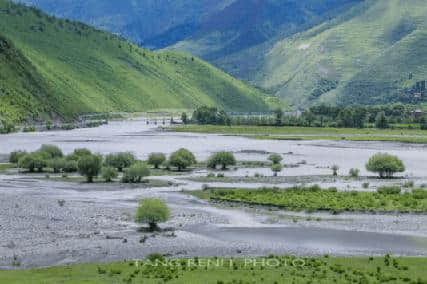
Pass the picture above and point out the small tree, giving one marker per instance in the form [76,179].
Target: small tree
[70,166]
[184,118]
[275,158]
[16,155]
[335,169]
[381,121]
[385,165]
[354,173]
[136,173]
[50,151]
[56,164]
[276,168]
[152,211]
[156,159]
[31,162]
[89,166]
[78,153]
[182,159]
[108,173]
[221,158]
[120,160]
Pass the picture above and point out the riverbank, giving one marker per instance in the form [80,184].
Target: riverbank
[310,133]
[271,269]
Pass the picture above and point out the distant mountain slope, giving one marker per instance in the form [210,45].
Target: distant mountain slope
[139,20]
[247,23]
[57,67]
[373,53]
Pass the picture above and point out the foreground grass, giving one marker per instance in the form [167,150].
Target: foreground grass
[286,269]
[311,133]
[315,199]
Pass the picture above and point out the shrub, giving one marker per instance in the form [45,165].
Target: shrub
[276,168]
[354,173]
[156,159]
[120,160]
[31,162]
[409,184]
[381,121]
[108,173]
[419,193]
[50,151]
[16,155]
[70,166]
[151,212]
[182,159]
[56,164]
[135,173]
[389,190]
[78,153]
[385,165]
[221,158]
[365,185]
[335,169]
[89,166]
[184,118]
[275,158]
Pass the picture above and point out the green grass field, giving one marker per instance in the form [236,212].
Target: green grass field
[271,270]
[311,133]
[5,167]
[316,199]
[50,66]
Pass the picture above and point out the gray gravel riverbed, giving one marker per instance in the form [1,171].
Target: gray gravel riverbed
[44,222]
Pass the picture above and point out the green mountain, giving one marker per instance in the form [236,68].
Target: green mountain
[373,53]
[60,68]
[139,20]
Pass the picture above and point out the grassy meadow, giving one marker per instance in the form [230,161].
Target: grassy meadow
[272,270]
[311,133]
[316,199]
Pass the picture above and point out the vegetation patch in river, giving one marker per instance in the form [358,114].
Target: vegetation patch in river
[386,199]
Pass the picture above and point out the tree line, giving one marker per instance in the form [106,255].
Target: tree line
[384,116]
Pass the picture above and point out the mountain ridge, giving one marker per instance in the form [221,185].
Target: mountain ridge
[66,68]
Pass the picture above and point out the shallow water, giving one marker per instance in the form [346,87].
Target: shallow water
[143,139]
[40,232]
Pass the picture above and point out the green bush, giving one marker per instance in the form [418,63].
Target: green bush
[16,155]
[276,168]
[120,161]
[151,212]
[156,159]
[50,152]
[381,121]
[354,173]
[56,164]
[385,165]
[109,173]
[70,166]
[89,166]
[136,173]
[78,153]
[32,161]
[389,190]
[182,159]
[275,158]
[221,158]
